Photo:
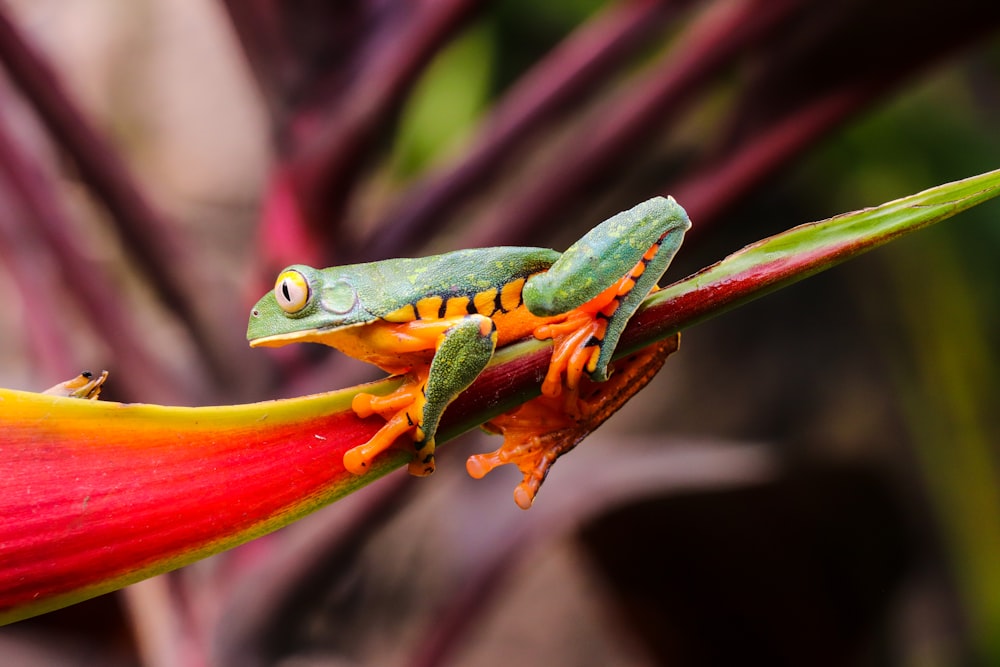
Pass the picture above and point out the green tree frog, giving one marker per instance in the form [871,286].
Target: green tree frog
[439,319]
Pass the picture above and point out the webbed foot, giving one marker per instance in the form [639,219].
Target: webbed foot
[535,435]
[574,350]
[402,410]
[579,337]
[545,428]
[462,347]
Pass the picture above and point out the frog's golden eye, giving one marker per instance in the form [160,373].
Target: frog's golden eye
[291,291]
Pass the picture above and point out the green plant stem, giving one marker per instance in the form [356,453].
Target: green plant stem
[756,270]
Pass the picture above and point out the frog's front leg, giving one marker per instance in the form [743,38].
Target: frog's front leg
[463,346]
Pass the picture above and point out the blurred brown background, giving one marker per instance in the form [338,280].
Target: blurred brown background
[812,480]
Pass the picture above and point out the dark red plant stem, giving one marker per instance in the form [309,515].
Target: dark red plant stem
[785,110]
[31,268]
[304,54]
[333,94]
[325,162]
[720,183]
[257,25]
[570,73]
[147,378]
[153,245]
[646,109]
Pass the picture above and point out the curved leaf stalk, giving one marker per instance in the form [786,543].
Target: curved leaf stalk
[97,495]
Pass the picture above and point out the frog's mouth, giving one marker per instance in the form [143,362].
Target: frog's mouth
[321,335]
[277,340]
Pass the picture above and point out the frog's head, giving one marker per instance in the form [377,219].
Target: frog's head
[306,302]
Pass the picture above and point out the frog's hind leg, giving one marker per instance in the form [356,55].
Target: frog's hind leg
[463,348]
[598,284]
[586,339]
[540,431]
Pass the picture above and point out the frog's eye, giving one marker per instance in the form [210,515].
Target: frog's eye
[291,291]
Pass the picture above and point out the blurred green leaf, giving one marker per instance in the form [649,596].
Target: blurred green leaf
[446,102]
[945,367]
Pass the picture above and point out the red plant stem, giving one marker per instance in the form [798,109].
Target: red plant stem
[328,116]
[765,136]
[571,72]
[721,182]
[94,493]
[754,271]
[257,24]
[324,157]
[712,42]
[31,269]
[155,248]
[168,485]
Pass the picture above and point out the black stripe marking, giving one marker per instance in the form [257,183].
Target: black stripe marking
[498,302]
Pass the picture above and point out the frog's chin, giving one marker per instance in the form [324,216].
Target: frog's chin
[301,336]
[277,340]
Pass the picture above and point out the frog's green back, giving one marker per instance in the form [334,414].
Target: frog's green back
[385,287]
[398,290]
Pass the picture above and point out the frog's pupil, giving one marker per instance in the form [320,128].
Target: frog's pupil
[284,291]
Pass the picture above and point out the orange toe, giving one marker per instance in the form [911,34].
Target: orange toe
[400,408]
[545,428]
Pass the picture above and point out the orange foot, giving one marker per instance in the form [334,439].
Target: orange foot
[402,410]
[572,352]
[577,338]
[535,435]
[542,430]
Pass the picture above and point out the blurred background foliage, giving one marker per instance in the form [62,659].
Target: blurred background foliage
[813,480]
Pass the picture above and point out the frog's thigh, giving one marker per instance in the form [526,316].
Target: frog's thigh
[464,351]
[605,254]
